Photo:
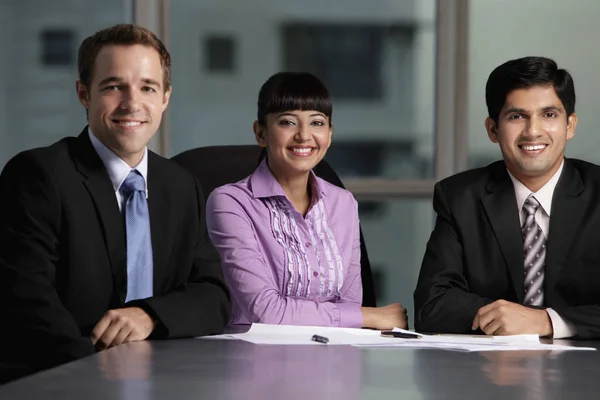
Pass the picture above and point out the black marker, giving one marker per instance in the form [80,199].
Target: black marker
[401,335]
[320,339]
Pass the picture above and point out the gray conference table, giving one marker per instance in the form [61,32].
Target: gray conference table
[210,369]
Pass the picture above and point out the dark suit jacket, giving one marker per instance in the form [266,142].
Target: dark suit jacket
[474,255]
[63,261]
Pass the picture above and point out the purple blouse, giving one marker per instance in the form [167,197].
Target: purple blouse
[281,267]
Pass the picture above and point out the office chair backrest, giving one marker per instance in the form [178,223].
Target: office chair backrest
[215,166]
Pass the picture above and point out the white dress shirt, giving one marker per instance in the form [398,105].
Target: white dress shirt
[117,168]
[561,327]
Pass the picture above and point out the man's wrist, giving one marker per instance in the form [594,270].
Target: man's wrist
[153,320]
[149,311]
[546,328]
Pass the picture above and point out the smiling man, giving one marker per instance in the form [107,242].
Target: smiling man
[514,249]
[104,242]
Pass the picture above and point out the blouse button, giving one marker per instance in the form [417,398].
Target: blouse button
[307,244]
[315,273]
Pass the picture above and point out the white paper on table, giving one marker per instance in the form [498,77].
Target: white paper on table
[470,343]
[475,339]
[301,335]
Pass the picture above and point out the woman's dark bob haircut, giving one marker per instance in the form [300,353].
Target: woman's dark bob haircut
[287,91]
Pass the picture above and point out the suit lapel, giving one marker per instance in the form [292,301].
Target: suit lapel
[568,209]
[500,205]
[99,186]
[158,205]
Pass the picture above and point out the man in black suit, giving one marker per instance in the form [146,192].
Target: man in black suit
[102,241]
[515,246]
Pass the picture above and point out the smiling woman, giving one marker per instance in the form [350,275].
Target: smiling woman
[294,128]
[288,240]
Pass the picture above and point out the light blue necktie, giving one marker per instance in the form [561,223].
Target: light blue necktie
[139,242]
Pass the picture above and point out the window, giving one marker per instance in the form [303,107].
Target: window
[57,47]
[219,54]
[338,54]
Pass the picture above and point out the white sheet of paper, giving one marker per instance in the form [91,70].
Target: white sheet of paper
[475,339]
[301,335]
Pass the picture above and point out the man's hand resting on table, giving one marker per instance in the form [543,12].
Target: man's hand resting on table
[505,318]
[121,326]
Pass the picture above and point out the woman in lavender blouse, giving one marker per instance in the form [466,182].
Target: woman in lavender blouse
[288,240]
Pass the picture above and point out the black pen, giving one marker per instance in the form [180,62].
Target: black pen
[320,339]
[401,335]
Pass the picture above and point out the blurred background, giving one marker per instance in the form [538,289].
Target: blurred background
[407,77]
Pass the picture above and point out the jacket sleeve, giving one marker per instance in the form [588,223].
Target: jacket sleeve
[442,299]
[37,329]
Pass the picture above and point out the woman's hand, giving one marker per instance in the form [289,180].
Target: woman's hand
[386,317]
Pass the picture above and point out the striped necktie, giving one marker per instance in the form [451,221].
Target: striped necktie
[534,255]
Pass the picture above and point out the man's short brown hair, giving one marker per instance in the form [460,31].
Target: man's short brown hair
[125,35]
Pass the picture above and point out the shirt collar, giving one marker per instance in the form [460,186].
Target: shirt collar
[543,196]
[263,183]
[117,168]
